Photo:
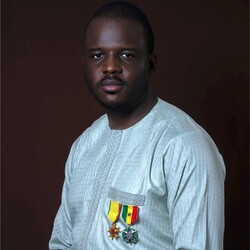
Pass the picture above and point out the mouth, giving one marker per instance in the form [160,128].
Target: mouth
[111,86]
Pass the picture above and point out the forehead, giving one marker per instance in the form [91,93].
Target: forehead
[114,32]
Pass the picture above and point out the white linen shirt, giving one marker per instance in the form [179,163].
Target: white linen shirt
[166,164]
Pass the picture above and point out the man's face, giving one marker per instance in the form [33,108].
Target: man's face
[116,63]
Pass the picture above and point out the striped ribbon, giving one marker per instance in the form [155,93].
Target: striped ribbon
[114,211]
[129,214]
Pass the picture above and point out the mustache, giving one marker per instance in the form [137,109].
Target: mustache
[111,80]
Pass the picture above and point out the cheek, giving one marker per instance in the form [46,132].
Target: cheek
[91,72]
[139,74]
[136,72]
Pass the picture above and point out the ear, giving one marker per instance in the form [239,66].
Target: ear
[152,63]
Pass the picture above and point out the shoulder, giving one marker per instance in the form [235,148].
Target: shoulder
[86,139]
[175,119]
[186,139]
[173,125]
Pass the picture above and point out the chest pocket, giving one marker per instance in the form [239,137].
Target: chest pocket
[126,198]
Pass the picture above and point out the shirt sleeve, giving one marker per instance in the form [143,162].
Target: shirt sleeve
[61,238]
[195,176]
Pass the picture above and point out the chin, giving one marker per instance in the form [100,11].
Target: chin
[120,107]
[111,106]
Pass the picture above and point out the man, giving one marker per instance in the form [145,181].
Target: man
[145,175]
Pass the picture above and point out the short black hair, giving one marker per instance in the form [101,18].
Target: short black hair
[121,9]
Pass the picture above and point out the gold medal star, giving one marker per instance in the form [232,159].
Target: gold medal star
[114,231]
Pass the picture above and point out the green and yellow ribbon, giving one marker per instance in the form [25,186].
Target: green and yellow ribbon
[114,211]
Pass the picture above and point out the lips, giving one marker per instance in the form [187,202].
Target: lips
[111,85]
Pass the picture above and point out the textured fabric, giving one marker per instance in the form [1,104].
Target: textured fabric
[166,164]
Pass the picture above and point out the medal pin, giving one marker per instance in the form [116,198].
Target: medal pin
[129,215]
[113,215]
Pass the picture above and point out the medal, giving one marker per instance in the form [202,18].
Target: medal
[129,235]
[113,215]
[114,231]
[129,215]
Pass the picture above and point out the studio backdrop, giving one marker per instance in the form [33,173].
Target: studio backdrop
[202,49]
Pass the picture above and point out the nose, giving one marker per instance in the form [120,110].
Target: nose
[111,65]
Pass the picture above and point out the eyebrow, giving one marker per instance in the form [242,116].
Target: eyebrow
[94,49]
[121,49]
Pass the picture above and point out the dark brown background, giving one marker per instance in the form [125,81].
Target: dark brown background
[202,49]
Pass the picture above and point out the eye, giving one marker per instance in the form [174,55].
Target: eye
[97,56]
[127,56]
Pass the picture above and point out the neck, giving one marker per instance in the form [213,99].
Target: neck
[124,120]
